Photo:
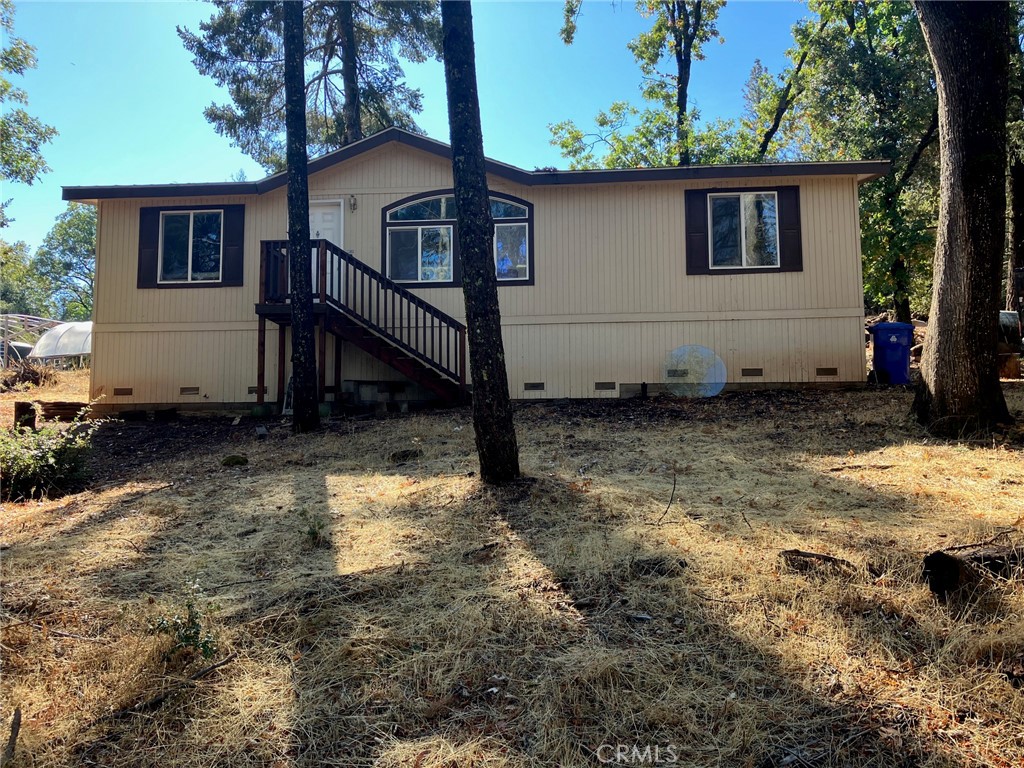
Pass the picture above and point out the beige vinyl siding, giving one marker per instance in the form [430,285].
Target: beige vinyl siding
[611,296]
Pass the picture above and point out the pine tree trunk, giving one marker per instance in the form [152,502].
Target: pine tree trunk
[349,74]
[969,48]
[306,409]
[492,409]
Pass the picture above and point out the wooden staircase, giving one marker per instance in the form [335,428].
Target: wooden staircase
[357,304]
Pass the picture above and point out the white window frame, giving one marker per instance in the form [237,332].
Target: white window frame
[743,232]
[517,222]
[191,219]
[419,252]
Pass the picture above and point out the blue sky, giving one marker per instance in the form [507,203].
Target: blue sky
[114,79]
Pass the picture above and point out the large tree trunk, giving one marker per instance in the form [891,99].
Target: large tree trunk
[492,409]
[306,409]
[349,75]
[969,47]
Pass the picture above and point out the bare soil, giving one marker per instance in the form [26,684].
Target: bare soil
[376,605]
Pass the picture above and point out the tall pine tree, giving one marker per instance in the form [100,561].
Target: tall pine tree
[305,405]
[354,82]
[492,410]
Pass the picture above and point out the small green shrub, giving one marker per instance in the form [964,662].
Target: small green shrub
[187,626]
[46,462]
[315,531]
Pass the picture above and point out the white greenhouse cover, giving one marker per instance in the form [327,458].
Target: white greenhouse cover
[65,340]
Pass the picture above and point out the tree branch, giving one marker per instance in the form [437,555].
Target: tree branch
[786,100]
[930,135]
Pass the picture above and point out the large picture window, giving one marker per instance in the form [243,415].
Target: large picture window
[744,230]
[191,246]
[420,243]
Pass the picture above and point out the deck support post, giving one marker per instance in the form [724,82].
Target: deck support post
[261,361]
[337,369]
[322,354]
[280,367]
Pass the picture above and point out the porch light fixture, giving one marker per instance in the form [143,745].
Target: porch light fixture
[352,203]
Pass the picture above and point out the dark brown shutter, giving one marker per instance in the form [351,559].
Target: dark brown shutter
[149,245]
[697,232]
[233,260]
[791,257]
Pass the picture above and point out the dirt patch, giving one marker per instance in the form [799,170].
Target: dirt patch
[378,606]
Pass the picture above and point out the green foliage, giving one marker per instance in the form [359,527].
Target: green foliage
[21,135]
[46,462]
[870,93]
[673,22]
[187,626]
[22,290]
[66,262]
[314,529]
[241,49]
[627,137]
[662,132]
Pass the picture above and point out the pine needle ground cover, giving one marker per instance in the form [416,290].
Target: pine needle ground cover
[359,598]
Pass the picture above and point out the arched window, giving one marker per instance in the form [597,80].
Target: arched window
[420,246]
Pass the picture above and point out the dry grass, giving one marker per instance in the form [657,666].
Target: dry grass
[71,385]
[405,615]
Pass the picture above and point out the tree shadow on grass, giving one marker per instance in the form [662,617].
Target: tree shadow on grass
[452,624]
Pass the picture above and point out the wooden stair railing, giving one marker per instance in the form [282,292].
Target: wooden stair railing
[374,302]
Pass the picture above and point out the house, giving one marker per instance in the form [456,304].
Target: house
[602,274]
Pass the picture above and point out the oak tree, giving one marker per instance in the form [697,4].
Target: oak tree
[21,135]
[969,48]
[868,93]
[665,53]
[66,262]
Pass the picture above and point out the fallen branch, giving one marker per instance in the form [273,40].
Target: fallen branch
[149,705]
[12,740]
[799,559]
[843,467]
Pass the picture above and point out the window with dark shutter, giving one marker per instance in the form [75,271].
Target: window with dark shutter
[191,247]
[743,231]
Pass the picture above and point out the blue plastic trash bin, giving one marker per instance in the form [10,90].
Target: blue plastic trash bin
[892,342]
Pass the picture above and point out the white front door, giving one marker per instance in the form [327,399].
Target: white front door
[325,223]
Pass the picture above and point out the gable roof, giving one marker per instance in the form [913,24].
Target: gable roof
[864,170]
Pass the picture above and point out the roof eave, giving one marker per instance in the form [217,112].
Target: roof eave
[865,170]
